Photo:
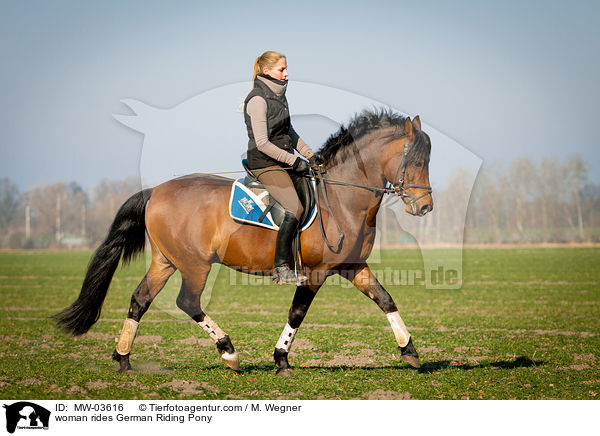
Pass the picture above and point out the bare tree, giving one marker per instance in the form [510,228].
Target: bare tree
[9,202]
[576,170]
[108,195]
[519,190]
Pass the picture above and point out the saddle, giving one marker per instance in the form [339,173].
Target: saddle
[250,202]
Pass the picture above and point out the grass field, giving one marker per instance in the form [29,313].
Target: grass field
[525,325]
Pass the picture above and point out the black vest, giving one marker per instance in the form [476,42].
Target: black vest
[278,126]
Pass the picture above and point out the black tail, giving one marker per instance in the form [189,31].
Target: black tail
[126,237]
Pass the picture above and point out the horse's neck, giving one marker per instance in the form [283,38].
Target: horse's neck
[361,168]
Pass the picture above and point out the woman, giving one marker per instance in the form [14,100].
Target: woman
[271,144]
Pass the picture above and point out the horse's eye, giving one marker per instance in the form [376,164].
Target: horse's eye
[419,164]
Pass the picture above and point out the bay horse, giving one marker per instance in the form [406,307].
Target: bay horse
[187,224]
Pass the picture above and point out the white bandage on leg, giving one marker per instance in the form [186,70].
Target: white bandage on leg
[127,336]
[211,327]
[286,338]
[399,329]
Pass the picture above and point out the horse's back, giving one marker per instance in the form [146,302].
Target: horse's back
[192,205]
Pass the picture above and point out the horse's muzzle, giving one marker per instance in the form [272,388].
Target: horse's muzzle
[413,208]
[425,208]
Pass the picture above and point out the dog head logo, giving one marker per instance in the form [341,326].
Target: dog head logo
[26,415]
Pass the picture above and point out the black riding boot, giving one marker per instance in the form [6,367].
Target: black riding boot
[282,274]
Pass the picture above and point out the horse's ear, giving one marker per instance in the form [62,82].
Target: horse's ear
[408,127]
[417,122]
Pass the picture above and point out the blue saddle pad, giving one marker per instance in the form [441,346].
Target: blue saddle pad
[247,207]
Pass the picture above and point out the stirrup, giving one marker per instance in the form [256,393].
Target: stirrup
[283,275]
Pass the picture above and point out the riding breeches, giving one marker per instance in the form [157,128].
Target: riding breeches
[279,184]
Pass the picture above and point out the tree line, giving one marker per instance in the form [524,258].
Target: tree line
[550,202]
[60,215]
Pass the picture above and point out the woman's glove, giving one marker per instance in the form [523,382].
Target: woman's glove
[300,166]
[316,161]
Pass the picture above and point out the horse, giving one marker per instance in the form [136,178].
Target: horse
[186,222]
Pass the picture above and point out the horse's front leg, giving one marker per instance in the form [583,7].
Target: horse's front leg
[367,283]
[302,299]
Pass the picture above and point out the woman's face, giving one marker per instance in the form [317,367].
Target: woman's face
[279,71]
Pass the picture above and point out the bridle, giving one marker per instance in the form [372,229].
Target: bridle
[400,189]
[404,184]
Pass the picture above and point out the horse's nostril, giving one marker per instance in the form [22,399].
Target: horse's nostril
[426,208]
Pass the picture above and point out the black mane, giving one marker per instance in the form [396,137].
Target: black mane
[367,121]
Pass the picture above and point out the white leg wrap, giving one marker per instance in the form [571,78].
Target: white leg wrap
[399,329]
[127,336]
[286,338]
[211,327]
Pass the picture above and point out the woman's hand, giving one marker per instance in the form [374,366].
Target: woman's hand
[300,166]
[316,162]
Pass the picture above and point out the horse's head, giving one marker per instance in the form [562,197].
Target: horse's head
[406,167]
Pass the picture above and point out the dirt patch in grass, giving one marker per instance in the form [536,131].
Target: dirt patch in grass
[271,395]
[579,367]
[557,332]
[356,344]
[97,336]
[350,358]
[97,385]
[584,357]
[477,358]
[29,381]
[71,356]
[197,341]
[303,344]
[184,387]
[27,308]
[432,349]
[467,349]
[74,389]
[148,339]
[380,394]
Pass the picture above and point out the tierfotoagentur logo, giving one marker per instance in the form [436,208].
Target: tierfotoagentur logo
[206,134]
[26,416]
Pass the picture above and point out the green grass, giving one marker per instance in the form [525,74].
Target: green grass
[524,325]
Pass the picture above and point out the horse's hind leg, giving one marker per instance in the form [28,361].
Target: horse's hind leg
[188,300]
[367,283]
[159,272]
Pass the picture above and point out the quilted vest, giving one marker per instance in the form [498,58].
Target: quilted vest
[278,126]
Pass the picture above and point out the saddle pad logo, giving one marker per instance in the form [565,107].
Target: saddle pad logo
[246,203]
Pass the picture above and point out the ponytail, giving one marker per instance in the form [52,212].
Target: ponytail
[256,71]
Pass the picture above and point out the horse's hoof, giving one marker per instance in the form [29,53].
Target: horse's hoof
[232,360]
[412,361]
[410,355]
[123,359]
[285,372]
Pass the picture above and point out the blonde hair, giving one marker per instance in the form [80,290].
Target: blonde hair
[266,60]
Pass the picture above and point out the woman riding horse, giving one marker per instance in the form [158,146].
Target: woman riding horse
[378,152]
[271,144]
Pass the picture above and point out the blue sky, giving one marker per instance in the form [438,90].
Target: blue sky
[503,79]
